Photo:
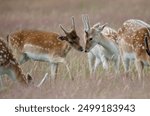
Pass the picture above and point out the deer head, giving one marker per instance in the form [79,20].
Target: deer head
[71,36]
[92,34]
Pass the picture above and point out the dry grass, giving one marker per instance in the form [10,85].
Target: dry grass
[47,15]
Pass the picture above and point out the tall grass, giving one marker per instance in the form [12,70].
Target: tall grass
[47,15]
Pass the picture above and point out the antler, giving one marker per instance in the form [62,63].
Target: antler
[73,23]
[86,22]
[63,29]
[73,26]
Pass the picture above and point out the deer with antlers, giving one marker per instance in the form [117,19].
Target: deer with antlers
[9,65]
[45,46]
[101,44]
[133,39]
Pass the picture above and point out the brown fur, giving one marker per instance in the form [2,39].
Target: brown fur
[110,34]
[131,36]
[47,42]
[8,62]
[50,46]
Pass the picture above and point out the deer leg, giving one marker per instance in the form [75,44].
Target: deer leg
[34,68]
[54,67]
[68,69]
[116,65]
[2,87]
[97,62]
[126,62]
[104,62]
[91,59]
[1,82]
[139,68]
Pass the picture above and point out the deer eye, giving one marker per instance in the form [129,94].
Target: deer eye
[71,42]
[90,38]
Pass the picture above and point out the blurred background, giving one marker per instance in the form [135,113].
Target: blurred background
[46,15]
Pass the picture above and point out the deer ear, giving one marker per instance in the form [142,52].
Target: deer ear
[101,27]
[97,25]
[61,38]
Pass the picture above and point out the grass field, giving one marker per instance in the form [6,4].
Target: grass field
[46,15]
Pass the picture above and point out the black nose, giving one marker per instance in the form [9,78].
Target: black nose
[81,49]
[86,51]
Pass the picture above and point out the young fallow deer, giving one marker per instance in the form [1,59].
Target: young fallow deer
[101,44]
[45,46]
[131,37]
[9,65]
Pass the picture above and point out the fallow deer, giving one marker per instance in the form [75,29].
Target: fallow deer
[101,44]
[45,46]
[132,46]
[9,65]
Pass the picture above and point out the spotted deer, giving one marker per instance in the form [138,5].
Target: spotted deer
[45,46]
[101,44]
[9,66]
[131,37]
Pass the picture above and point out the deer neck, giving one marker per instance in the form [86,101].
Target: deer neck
[67,48]
[108,44]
